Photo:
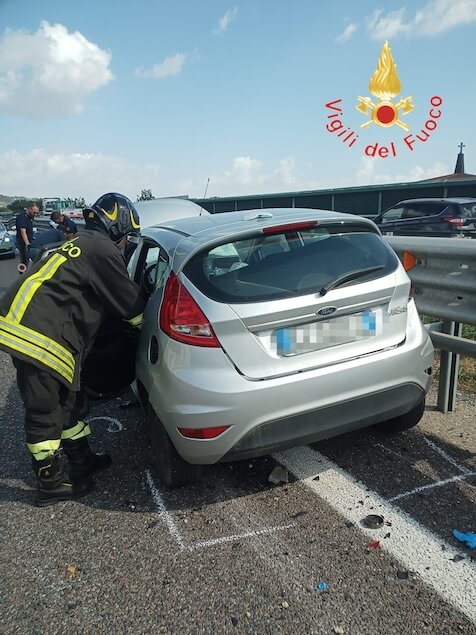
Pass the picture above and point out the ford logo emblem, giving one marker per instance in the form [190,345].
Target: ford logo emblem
[327,310]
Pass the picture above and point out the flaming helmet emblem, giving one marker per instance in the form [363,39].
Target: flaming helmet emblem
[385,85]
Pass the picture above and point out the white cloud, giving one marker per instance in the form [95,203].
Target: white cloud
[225,21]
[43,173]
[170,67]
[368,173]
[347,33]
[50,72]
[248,175]
[436,17]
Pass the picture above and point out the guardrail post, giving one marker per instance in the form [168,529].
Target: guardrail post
[449,367]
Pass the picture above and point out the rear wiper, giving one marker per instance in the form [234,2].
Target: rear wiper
[347,277]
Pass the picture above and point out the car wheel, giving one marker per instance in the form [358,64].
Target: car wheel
[172,469]
[403,422]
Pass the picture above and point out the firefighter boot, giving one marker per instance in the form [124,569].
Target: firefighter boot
[53,485]
[83,462]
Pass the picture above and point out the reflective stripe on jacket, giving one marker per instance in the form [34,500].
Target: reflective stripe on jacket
[50,317]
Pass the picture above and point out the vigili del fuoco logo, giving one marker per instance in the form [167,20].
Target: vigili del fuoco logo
[384,111]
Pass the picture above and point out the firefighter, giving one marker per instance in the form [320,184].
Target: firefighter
[48,322]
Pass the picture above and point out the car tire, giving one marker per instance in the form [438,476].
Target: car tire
[173,471]
[403,422]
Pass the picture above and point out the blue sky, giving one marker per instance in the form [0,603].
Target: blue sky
[115,95]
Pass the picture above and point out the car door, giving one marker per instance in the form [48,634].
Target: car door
[110,367]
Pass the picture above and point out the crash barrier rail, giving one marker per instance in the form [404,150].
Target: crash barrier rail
[443,275]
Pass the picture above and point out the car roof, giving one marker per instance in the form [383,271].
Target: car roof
[159,210]
[227,222]
[207,229]
[455,199]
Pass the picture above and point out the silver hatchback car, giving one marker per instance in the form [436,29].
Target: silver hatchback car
[267,329]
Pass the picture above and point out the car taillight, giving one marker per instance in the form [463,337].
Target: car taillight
[181,317]
[454,221]
[202,433]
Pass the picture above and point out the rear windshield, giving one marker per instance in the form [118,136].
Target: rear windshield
[283,265]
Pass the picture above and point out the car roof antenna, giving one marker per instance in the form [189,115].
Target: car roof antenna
[206,190]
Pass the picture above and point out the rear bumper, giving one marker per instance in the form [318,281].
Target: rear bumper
[326,422]
[200,388]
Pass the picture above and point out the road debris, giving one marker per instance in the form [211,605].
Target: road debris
[322,586]
[402,575]
[375,544]
[340,630]
[284,604]
[469,539]
[72,569]
[372,521]
[278,475]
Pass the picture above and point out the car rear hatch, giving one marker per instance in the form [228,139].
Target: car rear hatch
[292,297]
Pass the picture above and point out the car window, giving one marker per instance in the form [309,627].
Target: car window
[151,266]
[2,227]
[427,209]
[394,213]
[469,210]
[299,264]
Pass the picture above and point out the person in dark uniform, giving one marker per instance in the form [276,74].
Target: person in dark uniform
[48,322]
[60,219]
[24,227]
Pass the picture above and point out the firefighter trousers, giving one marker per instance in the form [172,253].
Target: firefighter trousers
[51,410]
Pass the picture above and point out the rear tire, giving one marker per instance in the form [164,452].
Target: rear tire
[172,469]
[403,422]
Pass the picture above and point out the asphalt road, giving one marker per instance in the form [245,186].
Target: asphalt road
[236,554]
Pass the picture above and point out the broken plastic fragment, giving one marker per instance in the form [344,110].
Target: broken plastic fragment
[72,570]
[321,586]
[278,475]
[469,539]
[375,544]
[372,521]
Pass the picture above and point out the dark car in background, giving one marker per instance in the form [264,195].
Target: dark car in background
[430,215]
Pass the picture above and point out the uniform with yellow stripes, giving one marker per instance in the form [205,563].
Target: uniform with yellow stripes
[50,318]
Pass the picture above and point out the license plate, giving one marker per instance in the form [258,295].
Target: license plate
[324,334]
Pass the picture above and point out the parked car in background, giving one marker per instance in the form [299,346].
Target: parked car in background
[432,215]
[7,242]
[263,330]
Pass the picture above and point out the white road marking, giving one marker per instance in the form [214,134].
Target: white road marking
[175,533]
[249,534]
[422,488]
[390,451]
[169,521]
[446,456]
[114,424]
[410,543]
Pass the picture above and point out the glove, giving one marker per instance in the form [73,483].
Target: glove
[469,539]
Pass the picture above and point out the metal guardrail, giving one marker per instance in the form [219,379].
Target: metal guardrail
[443,275]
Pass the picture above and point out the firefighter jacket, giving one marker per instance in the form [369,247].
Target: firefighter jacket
[49,318]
